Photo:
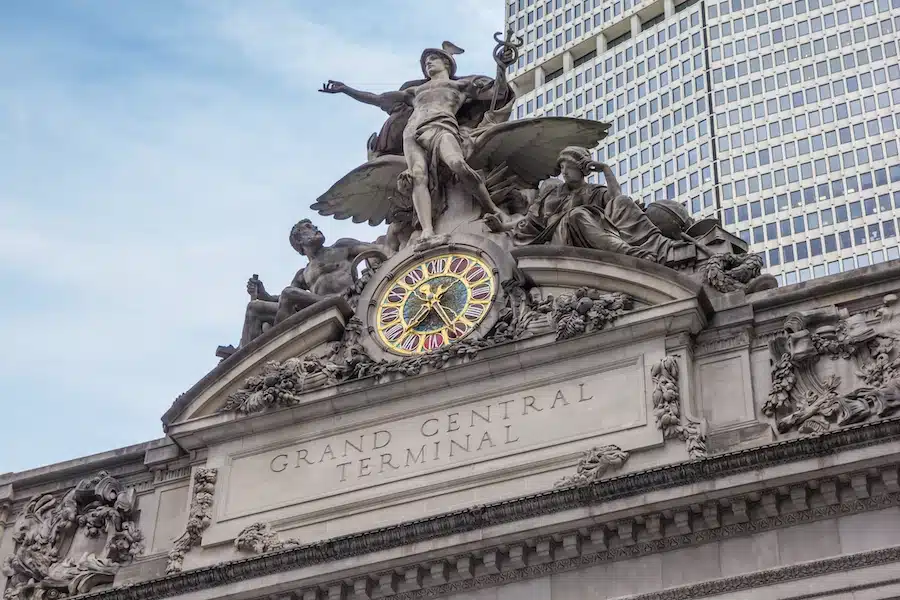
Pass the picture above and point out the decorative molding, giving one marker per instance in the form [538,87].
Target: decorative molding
[594,464]
[550,502]
[96,513]
[635,537]
[199,518]
[722,341]
[281,383]
[667,408]
[259,538]
[166,475]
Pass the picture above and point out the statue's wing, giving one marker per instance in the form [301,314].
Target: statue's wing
[530,147]
[365,193]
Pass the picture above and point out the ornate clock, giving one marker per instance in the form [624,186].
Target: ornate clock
[435,302]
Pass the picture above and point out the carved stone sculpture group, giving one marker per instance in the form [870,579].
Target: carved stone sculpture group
[448,160]
[831,369]
[69,545]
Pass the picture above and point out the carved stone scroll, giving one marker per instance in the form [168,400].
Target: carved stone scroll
[199,518]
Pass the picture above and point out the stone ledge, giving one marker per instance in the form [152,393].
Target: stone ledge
[72,470]
[631,538]
[549,502]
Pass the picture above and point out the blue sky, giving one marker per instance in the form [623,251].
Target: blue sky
[153,155]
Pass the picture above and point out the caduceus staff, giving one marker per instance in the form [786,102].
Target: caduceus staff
[506,52]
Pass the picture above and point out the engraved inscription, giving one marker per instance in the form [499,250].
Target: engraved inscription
[604,402]
[452,434]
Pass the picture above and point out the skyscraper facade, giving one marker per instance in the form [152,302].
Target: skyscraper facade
[781,117]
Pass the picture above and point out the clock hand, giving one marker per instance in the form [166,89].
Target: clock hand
[442,290]
[424,293]
[442,313]
[420,316]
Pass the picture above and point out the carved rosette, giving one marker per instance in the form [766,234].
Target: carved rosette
[831,369]
[199,518]
[594,464]
[41,567]
[667,408]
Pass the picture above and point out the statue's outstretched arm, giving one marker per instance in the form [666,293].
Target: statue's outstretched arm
[383,101]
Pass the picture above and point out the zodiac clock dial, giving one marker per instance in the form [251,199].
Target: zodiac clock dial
[435,303]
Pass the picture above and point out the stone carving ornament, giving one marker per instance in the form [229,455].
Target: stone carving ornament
[667,408]
[594,464]
[586,310]
[60,548]
[282,382]
[199,518]
[831,369]
[259,538]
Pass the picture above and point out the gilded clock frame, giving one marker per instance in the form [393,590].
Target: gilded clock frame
[435,302]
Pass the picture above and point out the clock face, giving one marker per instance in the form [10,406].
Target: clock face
[434,303]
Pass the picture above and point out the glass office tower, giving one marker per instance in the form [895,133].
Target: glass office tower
[781,117]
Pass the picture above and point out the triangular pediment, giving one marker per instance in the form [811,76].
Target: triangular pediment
[304,332]
[228,392]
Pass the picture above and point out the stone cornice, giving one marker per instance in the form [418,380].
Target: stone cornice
[884,273]
[814,568]
[584,559]
[549,502]
[121,462]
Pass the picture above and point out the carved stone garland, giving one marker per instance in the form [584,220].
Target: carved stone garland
[594,464]
[830,369]
[667,408]
[587,310]
[199,518]
[729,272]
[281,382]
[53,539]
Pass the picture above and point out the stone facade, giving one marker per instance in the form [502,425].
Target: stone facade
[647,458]
[531,388]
